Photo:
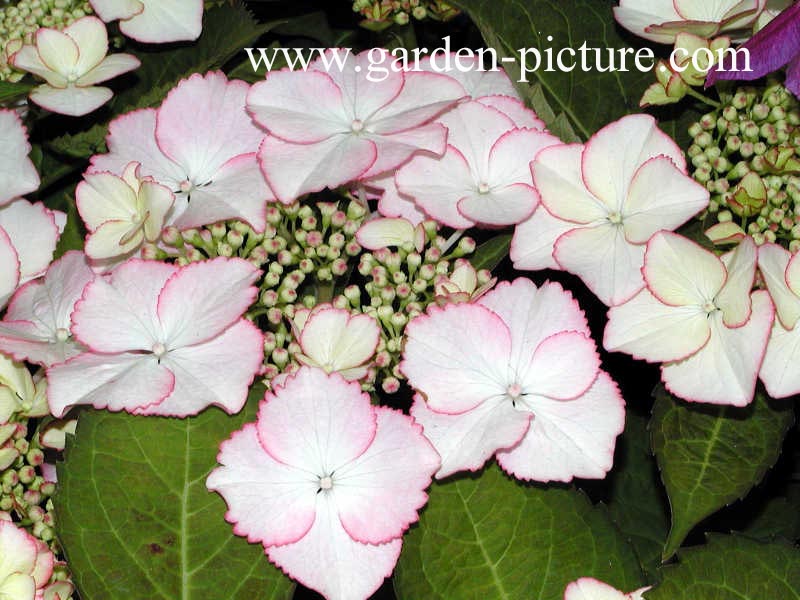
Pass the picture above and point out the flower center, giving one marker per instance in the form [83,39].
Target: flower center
[325,483]
[357,126]
[186,186]
[159,349]
[483,187]
[62,335]
[514,391]
[709,307]
[615,218]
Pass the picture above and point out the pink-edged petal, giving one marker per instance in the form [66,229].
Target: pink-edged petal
[71,101]
[237,191]
[19,585]
[317,422]
[337,340]
[681,273]
[772,261]
[18,176]
[608,264]
[202,124]
[779,370]
[394,204]
[111,66]
[58,51]
[33,231]
[563,366]
[467,440]
[473,129]
[515,110]
[725,370]
[102,197]
[111,10]
[91,37]
[394,149]
[467,70]
[116,382]
[28,59]
[792,274]
[158,201]
[9,268]
[661,196]
[587,588]
[533,314]
[614,154]
[637,17]
[164,21]
[568,439]
[329,561]
[557,175]
[217,372]
[399,490]
[648,329]
[131,137]
[734,297]
[383,233]
[119,313]
[113,239]
[511,155]
[293,170]
[299,107]
[44,565]
[19,549]
[457,356]
[436,186]
[225,287]
[508,205]
[268,502]
[534,239]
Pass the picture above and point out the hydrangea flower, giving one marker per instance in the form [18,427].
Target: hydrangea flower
[309,481]
[662,20]
[601,203]
[71,62]
[36,326]
[476,81]
[391,203]
[18,176]
[781,273]
[484,176]
[315,117]
[154,21]
[588,588]
[698,316]
[201,144]
[18,392]
[25,563]
[514,375]
[462,285]
[28,237]
[121,213]
[163,340]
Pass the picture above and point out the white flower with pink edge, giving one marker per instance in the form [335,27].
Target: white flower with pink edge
[588,588]
[25,563]
[154,21]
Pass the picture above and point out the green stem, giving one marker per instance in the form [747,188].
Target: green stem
[703,98]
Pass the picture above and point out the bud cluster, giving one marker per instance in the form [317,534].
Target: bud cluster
[747,154]
[20,20]
[380,14]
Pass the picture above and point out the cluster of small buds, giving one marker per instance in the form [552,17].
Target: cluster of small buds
[747,154]
[380,14]
[20,20]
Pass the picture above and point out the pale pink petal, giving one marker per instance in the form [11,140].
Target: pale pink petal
[661,196]
[9,268]
[91,37]
[33,231]
[28,59]
[392,474]
[44,564]
[111,10]
[225,287]
[394,149]
[394,204]
[18,176]
[772,261]
[614,154]
[17,549]
[792,274]
[679,272]
[534,239]
[568,439]
[456,356]
[58,51]
[237,191]
[337,340]
[648,329]
[511,155]
[734,297]
[779,371]
[329,561]
[268,502]
[119,313]
[467,70]
[725,370]
[587,588]
[467,440]
[557,176]
[508,205]
[515,110]
[473,129]
[164,21]
[608,264]
[71,101]
[111,66]
[293,170]
[315,421]
[116,382]
[563,366]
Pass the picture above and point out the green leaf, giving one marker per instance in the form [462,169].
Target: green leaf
[637,503]
[710,456]
[73,236]
[490,537]
[732,567]
[226,30]
[490,253]
[9,92]
[778,517]
[137,522]
[587,100]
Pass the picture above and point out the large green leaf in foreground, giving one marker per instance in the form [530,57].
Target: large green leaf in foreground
[137,522]
[732,567]
[710,456]
[490,537]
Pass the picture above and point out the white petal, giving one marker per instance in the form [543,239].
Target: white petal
[337,340]
[534,239]
[18,176]
[734,297]
[110,67]
[772,261]
[164,21]
[72,101]
[779,371]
